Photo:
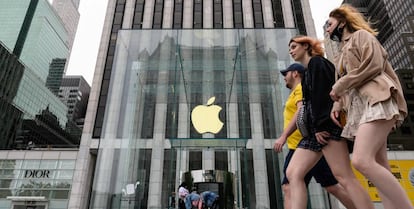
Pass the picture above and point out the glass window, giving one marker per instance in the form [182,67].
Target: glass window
[60,194]
[66,164]
[14,164]
[48,164]
[31,164]
[9,173]
[64,174]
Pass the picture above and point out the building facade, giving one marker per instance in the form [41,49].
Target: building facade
[37,149]
[69,14]
[393,19]
[158,60]
[56,72]
[74,92]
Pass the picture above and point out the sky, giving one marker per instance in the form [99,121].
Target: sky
[92,13]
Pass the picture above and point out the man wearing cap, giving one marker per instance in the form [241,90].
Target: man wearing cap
[321,171]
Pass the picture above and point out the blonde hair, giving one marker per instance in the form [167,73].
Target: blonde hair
[352,18]
[315,46]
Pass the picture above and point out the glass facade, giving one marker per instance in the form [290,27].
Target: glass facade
[46,40]
[25,178]
[149,144]
[36,36]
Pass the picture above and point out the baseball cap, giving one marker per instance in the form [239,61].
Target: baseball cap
[293,67]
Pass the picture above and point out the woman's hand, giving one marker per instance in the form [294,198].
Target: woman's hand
[334,96]
[334,116]
[321,137]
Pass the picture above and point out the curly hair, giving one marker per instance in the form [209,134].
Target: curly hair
[315,46]
[352,18]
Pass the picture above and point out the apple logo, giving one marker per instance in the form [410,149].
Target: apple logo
[205,118]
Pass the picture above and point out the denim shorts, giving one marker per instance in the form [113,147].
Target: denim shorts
[321,172]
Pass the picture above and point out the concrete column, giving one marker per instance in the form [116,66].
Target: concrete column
[168,16]
[148,14]
[267,14]
[188,14]
[248,18]
[288,14]
[128,14]
[228,14]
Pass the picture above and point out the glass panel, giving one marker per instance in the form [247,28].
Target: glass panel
[12,164]
[48,164]
[66,164]
[149,130]
[31,164]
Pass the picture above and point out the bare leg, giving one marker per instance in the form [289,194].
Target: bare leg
[337,155]
[382,159]
[301,163]
[369,141]
[340,193]
[286,200]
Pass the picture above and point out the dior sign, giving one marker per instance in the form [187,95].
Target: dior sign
[37,174]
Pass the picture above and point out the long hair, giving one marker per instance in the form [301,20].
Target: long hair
[352,18]
[315,46]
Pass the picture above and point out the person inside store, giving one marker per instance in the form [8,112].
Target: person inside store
[182,194]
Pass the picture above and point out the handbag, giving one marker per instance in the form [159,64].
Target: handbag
[301,121]
[342,118]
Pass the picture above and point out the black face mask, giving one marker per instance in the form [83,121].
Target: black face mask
[337,33]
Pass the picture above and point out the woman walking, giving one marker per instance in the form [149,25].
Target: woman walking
[322,135]
[372,88]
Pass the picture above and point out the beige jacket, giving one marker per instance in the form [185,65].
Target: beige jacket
[368,71]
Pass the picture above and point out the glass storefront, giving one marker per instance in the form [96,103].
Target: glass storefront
[42,183]
[152,141]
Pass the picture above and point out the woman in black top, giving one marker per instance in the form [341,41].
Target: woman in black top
[323,136]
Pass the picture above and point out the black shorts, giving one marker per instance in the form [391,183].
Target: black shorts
[321,172]
[312,144]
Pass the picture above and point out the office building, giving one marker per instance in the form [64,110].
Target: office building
[69,14]
[56,72]
[11,72]
[74,92]
[38,154]
[393,19]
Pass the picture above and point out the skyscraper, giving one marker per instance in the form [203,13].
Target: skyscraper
[37,149]
[393,19]
[74,92]
[36,36]
[69,14]
[158,60]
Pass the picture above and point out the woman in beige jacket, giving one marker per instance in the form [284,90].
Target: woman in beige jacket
[369,84]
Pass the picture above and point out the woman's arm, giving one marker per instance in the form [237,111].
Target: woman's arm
[323,77]
[364,59]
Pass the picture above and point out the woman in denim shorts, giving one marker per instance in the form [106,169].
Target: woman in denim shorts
[323,135]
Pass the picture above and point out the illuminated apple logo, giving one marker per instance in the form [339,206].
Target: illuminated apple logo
[206,119]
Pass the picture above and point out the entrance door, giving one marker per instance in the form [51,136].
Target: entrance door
[216,165]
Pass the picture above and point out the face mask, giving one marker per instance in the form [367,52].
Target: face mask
[337,34]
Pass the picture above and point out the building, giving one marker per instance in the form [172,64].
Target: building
[37,152]
[74,92]
[11,72]
[393,19]
[69,14]
[158,60]
[56,72]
